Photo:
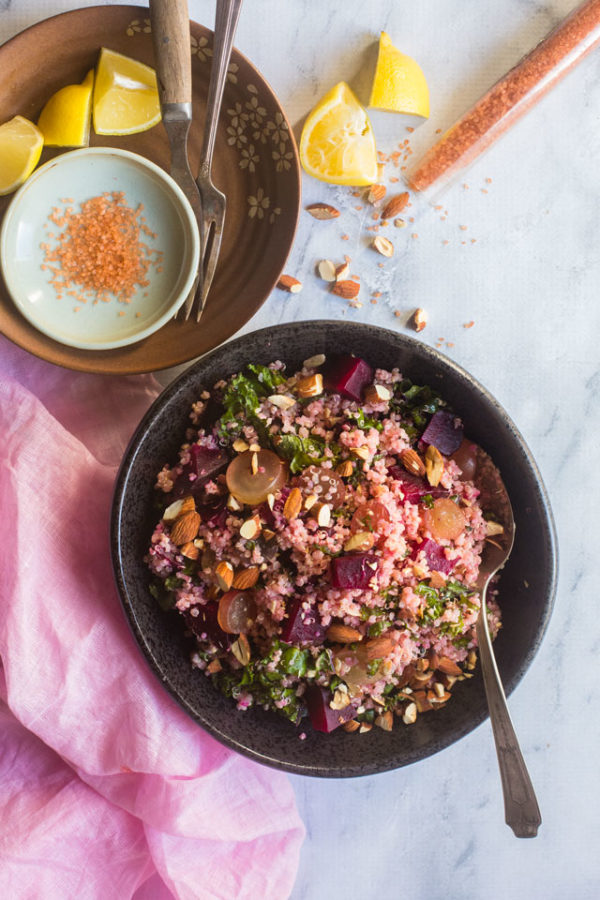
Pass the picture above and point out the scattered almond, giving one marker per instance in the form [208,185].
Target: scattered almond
[340,700]
[418,319]
[233,504]
[322,513]
[434,465]
[351,726]
[268,534]
[493,528]
[214,666]
[361,452]
[339,633]
[399,223]
[395,206]
[240,446]
[448,666]
[326,270]
[281,401]
[346,289]
[437,580]
[254,463]
[245,578]
[310,501]
[410,714]
[385,720]
[177,508]
[224,575]
[383,245]
[322,211]
[185,528]
[250,528]
[362,540]
[310,385]
[241,650]
[189,550]
[345,469]
[412,462]
[293,504]
[376,193]
[342,271]
[290,284]
[377,393]
[313,362]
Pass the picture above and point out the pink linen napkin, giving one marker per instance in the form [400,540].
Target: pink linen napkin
[107,788]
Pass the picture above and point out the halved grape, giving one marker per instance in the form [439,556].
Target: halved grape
[369,517]
[466,459]
[251,481]
[445,520]
[237,612]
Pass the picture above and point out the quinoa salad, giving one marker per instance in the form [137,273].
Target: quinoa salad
[320,534]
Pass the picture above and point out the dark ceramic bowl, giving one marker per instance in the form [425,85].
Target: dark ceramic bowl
[526,588]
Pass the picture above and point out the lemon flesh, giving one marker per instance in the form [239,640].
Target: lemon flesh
[66,117]
[399,84]
[125,95]
[20,148]
[337,144]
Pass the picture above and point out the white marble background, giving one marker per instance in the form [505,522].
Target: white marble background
[530,282]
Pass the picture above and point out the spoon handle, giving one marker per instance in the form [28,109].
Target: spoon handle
[521,809]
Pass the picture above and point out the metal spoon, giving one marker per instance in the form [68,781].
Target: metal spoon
[521,809]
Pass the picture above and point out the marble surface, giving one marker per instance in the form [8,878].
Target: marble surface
[525,271]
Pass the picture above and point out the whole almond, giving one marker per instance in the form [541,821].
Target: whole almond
[395,206]
[293,504]
[376,193]
[322,211]
[290,284]
[224,575]
[448,666]
[178,508]
[246,578]
[412,462]
[434,465]
[185,528]
[339,633]
[383,246]
[346,289]
[379,647]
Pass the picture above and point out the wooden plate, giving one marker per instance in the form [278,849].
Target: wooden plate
[255,164]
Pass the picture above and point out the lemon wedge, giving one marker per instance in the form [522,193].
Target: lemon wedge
[20,148]
[337,144]
[125,95]
[399,84]
[65,119]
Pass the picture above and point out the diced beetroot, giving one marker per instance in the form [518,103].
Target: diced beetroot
[352,570]
[435,556]
[205,463]
[415,488]
[347,375]
[322,716]
[443,432]
[206,622]
[301,626]
[214,514]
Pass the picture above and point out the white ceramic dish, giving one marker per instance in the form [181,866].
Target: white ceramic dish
[80,175]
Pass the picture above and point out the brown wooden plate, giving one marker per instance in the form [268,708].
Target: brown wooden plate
[255,164]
